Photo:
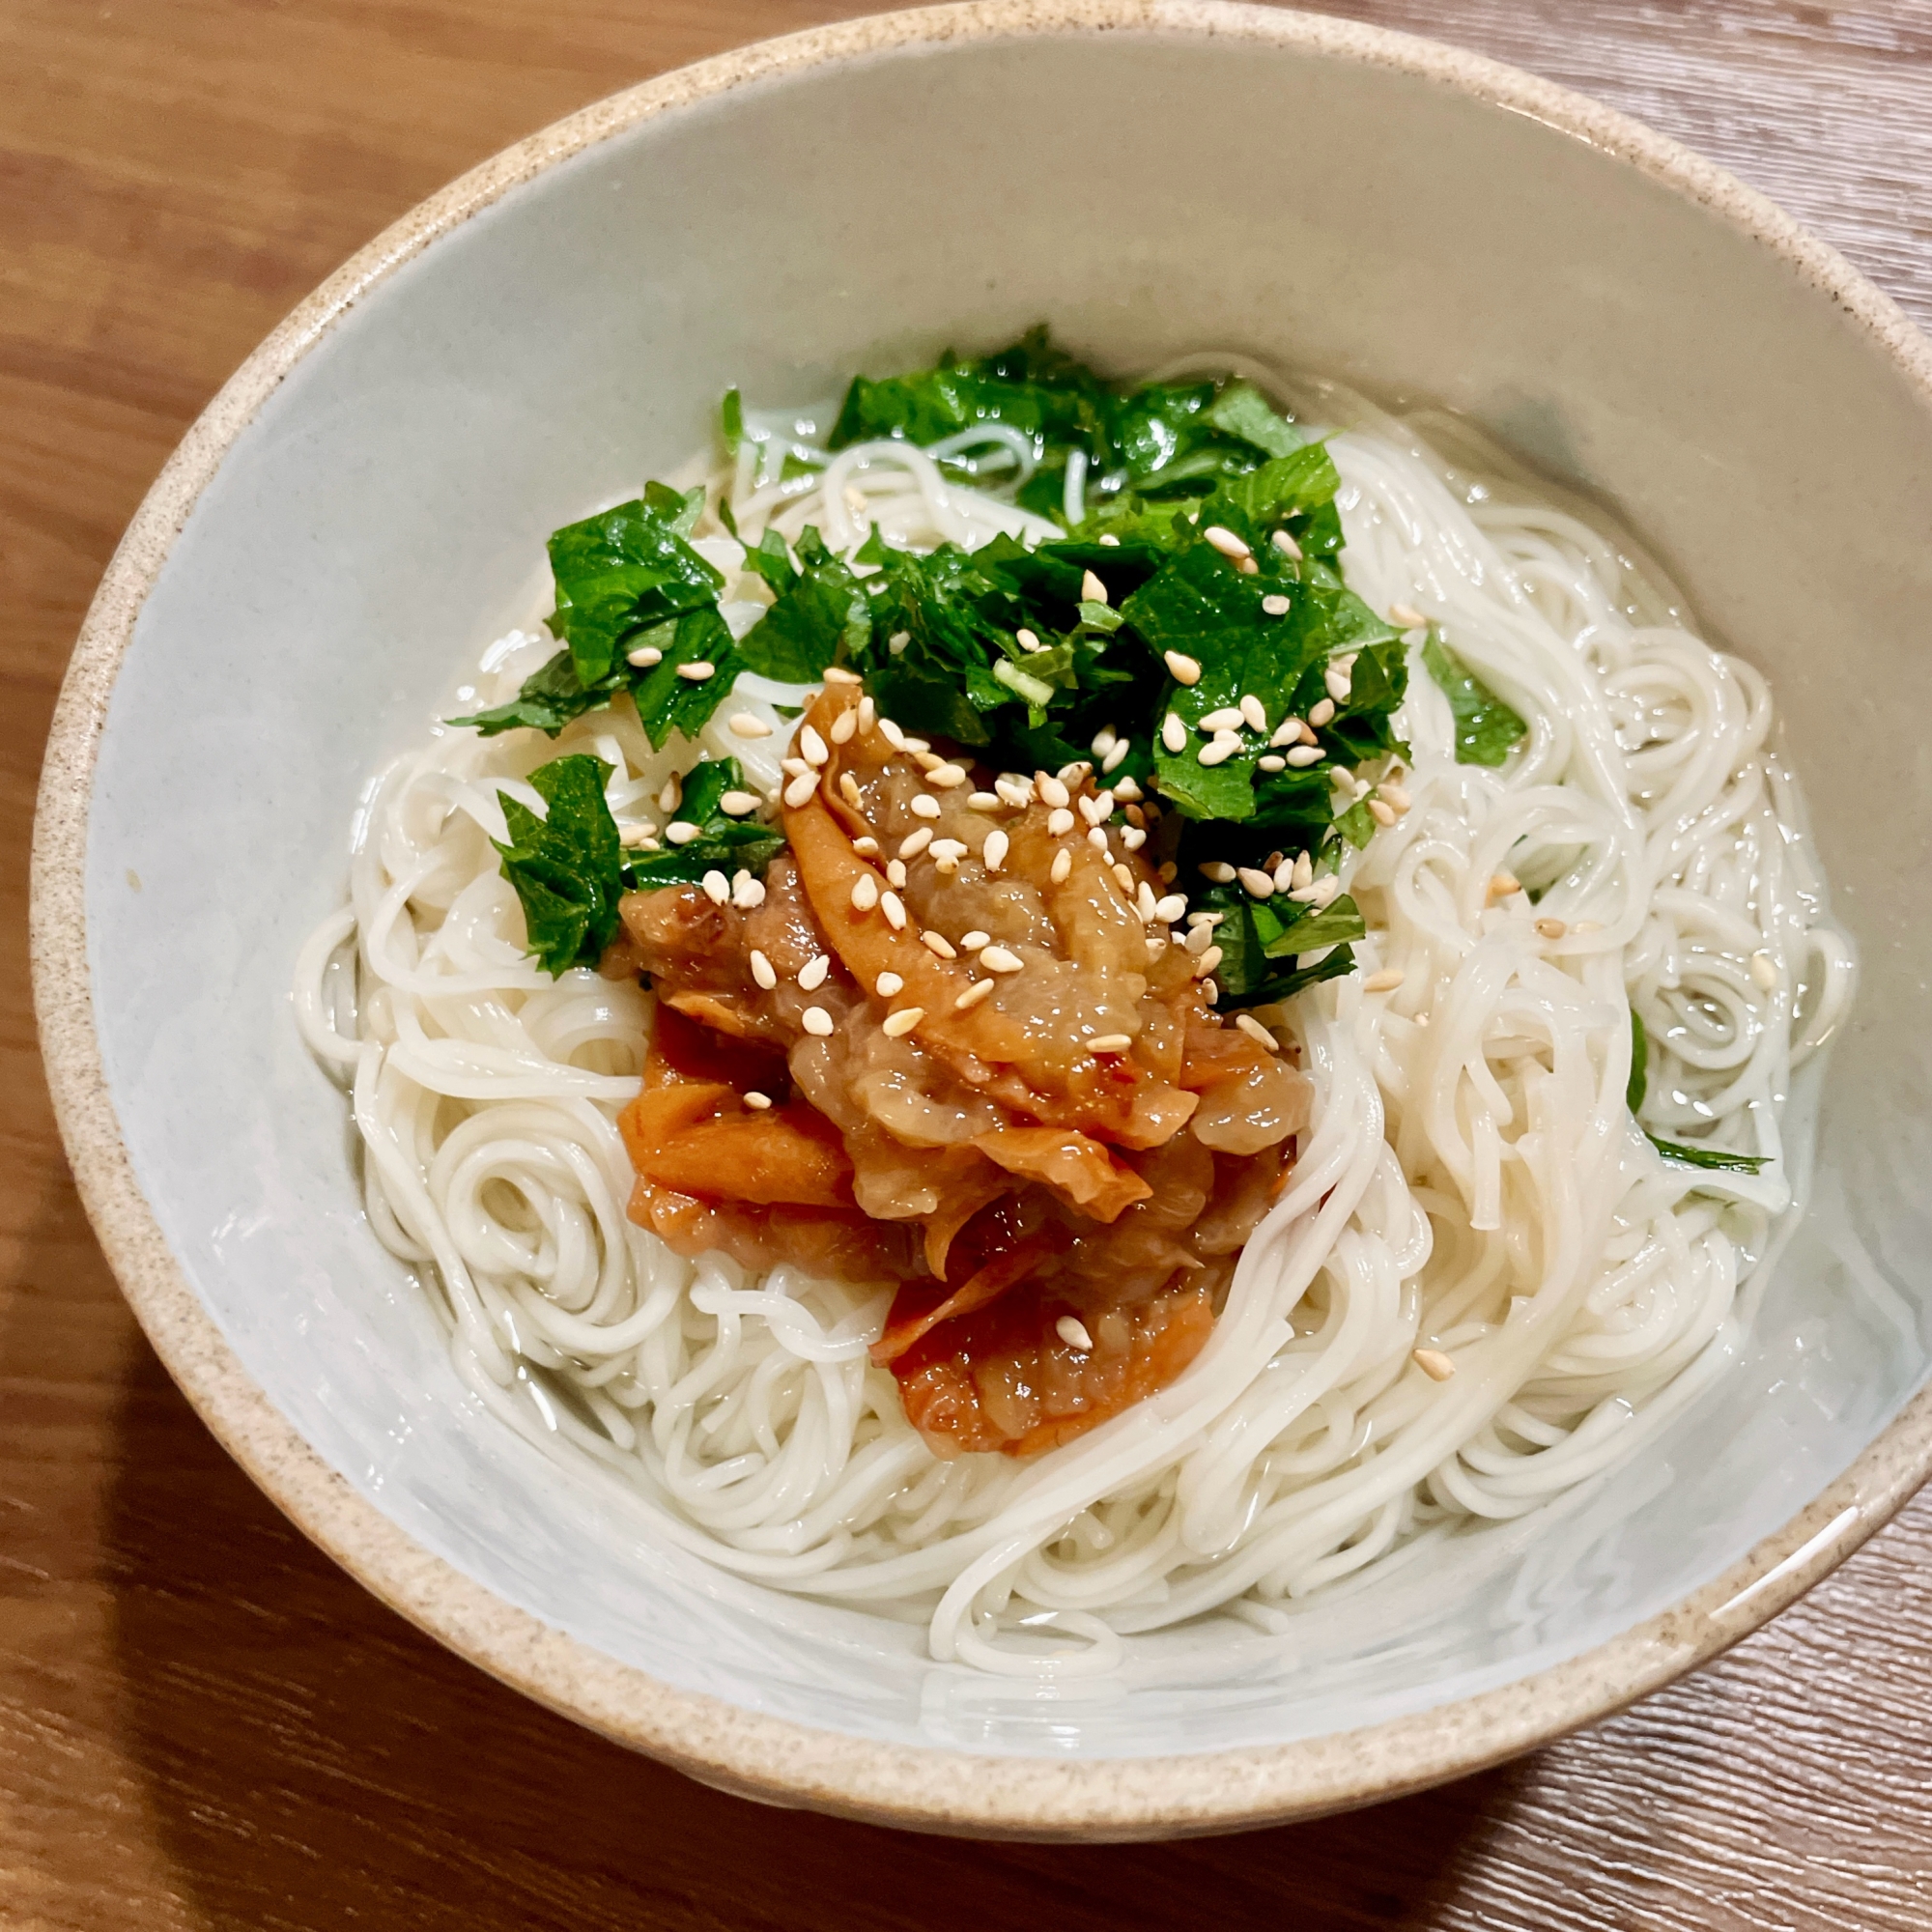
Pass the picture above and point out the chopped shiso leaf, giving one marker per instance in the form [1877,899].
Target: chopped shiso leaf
[1719,1160]
[1486,729]
[724,844]
[566,867]
[731,421]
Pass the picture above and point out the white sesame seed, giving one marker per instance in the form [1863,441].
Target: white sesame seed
[1304,756]
[1063,864]
[1069,1327]
[763,971]
[1108,538]
[895,873]
[864,891]
[812,974]
[1384,982]
[1286,732]
[1125,876]
[1321,711]
[1274,763]
[1382,811]
[1052,791]
[1219,751]
[1434,1364]
[634,836]
[887,984]
[892,734]
[1248,567]
[1134,838]
[747,892]
[946,848]
[1226,541]
[993,853]
[1259,884]
[971,941]
[1015,792]
[972,996]
[1284,542]
[644,656]
[1502,884]
[997,959]
[1219,871]
[1110,1042]
[817,1022]
[1171,907]
[1025,639]
[1103,741]
[1254,712]
[682,832]
[1552,929]
[938,944]
[914,841]
[1304,869]
[1337,682]
[736,804]
[1181,667]
[983,801]
[757,1103]
[929,761]
[716,888]
[1405,617]
[898,1025]
[946,777]
[868,713]
[848,790]
[1117,756]
[1207,962]
[1255,1031]
[1200,939]
[744,726]
[1326,890]
[1058,822]
[1097,808]
[800,790]
[696,671]
[1229,718]
[1762,969]
[794,767]
[838,674]
[1127,790]
[894,908]
[1173,733]
[1395,795]
[1589,926]
[924,805]
[866,846]
[1144,898]
[844,728]
[1091,589]
[1274,605]
[672,794]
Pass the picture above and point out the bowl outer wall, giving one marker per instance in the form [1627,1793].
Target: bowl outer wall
[737,1749]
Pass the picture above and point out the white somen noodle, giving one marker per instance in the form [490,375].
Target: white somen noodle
[1471,1183]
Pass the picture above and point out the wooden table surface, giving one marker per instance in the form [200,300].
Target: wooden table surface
[202,1722]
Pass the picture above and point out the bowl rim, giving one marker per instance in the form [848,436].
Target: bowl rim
[734,1749]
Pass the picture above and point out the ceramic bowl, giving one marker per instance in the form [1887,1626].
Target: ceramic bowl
[361,504]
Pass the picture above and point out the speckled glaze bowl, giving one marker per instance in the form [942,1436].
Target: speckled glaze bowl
[363,502]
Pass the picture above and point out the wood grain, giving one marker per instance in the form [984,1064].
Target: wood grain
[202,1723]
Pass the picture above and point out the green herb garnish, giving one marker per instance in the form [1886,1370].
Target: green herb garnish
[724,844]
[1486,729]
[1713,1160]
[566,867]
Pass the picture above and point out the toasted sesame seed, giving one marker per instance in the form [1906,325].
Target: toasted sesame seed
[757,1103]
[1063,864]
[682,832]
[800,790]
[1384,982]
[1123,877]
[972,996]
[1405,617]
[1274,605]
[1258,883]
[1229,718]
[1181,667]
[1382,811]
[1091,589]
[1255,1031]
[993,853]
[983,801]
[1763,970]
[644,656]
[997,959]
[736,804]
[1285,542]
[844,728]
[1304,756]
[1395,794]
[1058,822]
[1254,712]
[898,1025]
[1110,540]
[1069,1327]
[1219,751]
[747,892]
[946,777]
[812,974]
[894,908]
[1052,790]
[1248,567]
[696,671]
[1552,929]
[838,674]
[763,971]
[1226,541]
[938,944]
[1434,1364]
[817,1022]
[744,726]
[895,873]
[1207,963]
[1217,871]
[1502,884]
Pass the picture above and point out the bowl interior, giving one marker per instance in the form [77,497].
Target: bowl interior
[378,521]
